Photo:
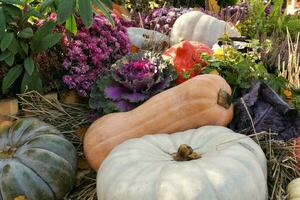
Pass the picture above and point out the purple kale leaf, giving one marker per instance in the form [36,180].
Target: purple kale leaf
[268,112]
[131,81]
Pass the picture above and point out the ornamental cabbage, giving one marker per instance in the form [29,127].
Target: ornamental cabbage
[131,81]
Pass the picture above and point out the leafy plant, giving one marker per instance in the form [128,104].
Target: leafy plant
[89,55]
[21,39]
[240,69]
[131,81]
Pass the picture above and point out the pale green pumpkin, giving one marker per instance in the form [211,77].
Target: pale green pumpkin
[224,166]
[36,161]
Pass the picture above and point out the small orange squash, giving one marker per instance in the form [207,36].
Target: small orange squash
[202,100]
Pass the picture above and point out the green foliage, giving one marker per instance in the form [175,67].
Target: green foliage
[240,69]
[20,40]
[266,19]
[144,5]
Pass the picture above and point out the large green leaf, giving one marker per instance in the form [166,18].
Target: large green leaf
[26,33]
[86,12]
[4,55]
[16,2]
[48,41]
[29,65]
[6,40]
[14,47]
[45,4]
[107,3]
[41,33]
[104,11]
[12,75]
[12,10]
[10,59]
[71,25]
[24,47]
[32,82]
[65,10]
[2,22]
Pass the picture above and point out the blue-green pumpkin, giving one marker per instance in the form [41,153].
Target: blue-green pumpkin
[36,161]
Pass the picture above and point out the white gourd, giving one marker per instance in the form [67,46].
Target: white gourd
[144,38]
[198,26]
[293,190]
[231,167]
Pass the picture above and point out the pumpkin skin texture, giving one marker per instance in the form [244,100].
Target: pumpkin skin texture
[293,190]
[36,161]
[231,167]
[189,105]
[198,26]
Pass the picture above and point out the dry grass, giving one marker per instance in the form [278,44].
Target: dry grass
[67,118]
[290,69]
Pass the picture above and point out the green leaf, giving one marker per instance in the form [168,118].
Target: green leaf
[32,13]
[29,65]
[11,76]
[48,41]
[41,33]
[26,33]
[24,46]
[14,47]
[86,12]
[107,3]
[16,2]
[45,4]
[12,10]
[2,21]
[4,55]
[6,40]
[65,10]
[71,25]
[32,82]
[104,11]
[10,59]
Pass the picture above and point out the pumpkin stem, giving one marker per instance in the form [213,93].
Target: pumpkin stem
[7,153]
[224,99]
[185,153]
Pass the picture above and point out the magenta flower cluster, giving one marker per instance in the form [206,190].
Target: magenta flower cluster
[93,51]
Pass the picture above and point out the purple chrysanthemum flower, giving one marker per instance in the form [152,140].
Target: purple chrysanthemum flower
[93,51]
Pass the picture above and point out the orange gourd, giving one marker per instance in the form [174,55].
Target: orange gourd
[202,100]
[185,56]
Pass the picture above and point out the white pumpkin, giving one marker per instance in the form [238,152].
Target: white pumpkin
[227,166]
[144,38]
[198,26]
[293,190]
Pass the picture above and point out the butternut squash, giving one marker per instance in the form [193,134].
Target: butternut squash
[202,100]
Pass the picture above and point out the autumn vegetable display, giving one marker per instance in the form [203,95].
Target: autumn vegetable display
[36,161]
[202,100]
[149,99]
[204,163]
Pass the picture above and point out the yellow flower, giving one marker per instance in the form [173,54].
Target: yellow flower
[219,53]
[287,93]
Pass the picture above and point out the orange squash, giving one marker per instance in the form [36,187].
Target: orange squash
[185,56]
[202,100]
